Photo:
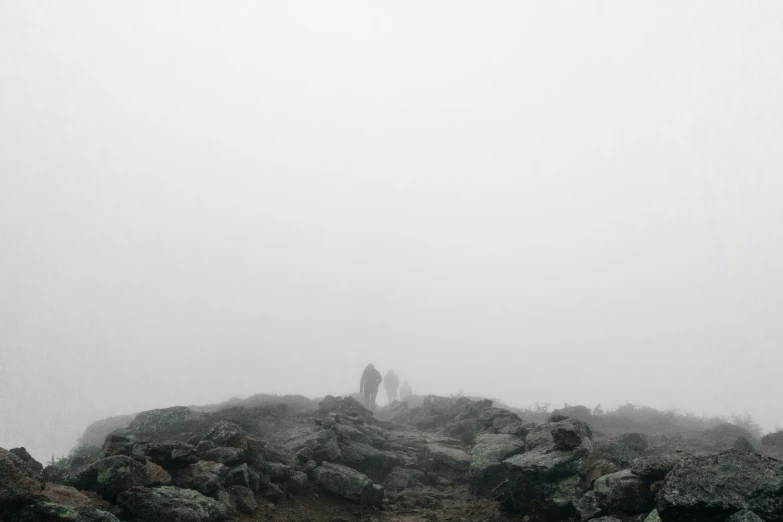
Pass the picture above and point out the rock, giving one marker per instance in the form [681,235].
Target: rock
[276,471]
[453,463]
[318,445]
[172,455]
[18,484]
[348,483]
[635,441]
[774,439]
[238,476]
[272,492]
[112,475]
[617,492]
[225,455]
[486,469]
[204,476]
[544,481]
[170,504]
[69,496]
[372,462]
[226,433]
[54,474]
[344,405]
[297,483]
[717,486]
[35,466]
[744,516]
[402,478]
[599,468]
[50,512]
[653,516]
[743,444]
[655,466]
[157,475]
[243,499]
[116,444]
[607,519]
[161,424]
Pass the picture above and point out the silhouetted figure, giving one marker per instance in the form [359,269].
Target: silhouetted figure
[371,378]
[405,391]
[391,383]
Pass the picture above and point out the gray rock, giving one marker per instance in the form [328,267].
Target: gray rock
[243,499]
[743,444]
[448,458]
[544,481]
[162,424]
[35,466]
[653,516]
[226,434]
[225,455]
[203,476]
[717,486]
[170,504]
[367,459]
[318,445]
[348,483]
[486,470]
[171,455]
[655,466]
[635,441]
[18,483]
[113,475]
[238,476]
[276,471]
[744,516]
[617,492]
[403,478]
[50,512]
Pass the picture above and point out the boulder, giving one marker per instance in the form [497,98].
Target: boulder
[243,499]
[226,433]
[743,444]
[744,516]
[50,512]
[162,424]
[714,487]
[238,476]
[372,462]
[18,483]
[596,468]
[204,476]
[621,492]
[635,441]
[70,496]
[544,481]
[318,445]
[225,455]
[172,455]
[486,469]
[157,475]
[171,504]
[347,483]
[655,466]
[344,405]
[403,478]
[112,475]
[448,461]
[35,466]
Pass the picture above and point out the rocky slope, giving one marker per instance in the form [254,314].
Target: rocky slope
[447,459]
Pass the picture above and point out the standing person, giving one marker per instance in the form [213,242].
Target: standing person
[390,383]
[406,391]
[371,378]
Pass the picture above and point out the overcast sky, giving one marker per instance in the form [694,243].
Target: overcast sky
[535,201]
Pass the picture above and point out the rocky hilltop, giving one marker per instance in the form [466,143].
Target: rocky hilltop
[445,459]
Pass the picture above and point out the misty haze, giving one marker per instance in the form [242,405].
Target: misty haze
[569,208]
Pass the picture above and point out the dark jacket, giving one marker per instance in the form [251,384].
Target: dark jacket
[371,378]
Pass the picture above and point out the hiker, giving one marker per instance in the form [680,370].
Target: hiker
[405,391]
[371,378]
[390,383]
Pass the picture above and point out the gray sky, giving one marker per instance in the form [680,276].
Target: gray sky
[536,201]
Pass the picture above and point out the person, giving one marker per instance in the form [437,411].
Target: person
[390,383]
[405,391]
[371,378]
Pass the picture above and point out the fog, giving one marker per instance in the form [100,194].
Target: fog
[533,201]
